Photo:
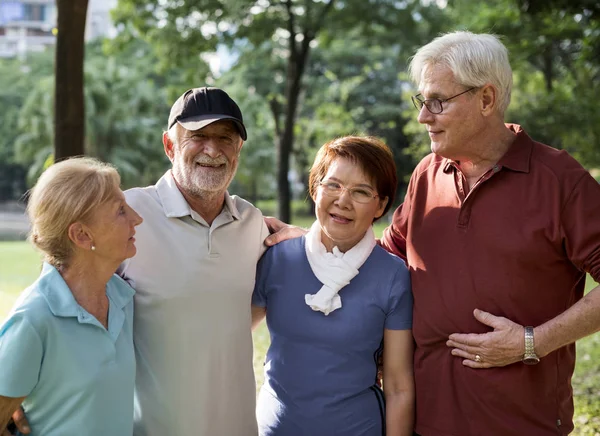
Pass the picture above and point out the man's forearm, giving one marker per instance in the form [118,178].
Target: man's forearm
[580,320]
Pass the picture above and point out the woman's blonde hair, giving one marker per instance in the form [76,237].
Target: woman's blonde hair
[67,192]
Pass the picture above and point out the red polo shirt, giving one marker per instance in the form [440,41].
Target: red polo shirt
[517,245]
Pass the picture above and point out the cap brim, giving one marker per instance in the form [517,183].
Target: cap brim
[197,123]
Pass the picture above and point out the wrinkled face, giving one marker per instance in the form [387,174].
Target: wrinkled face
[451,131]
[112,226]
[343,220]
[206,160]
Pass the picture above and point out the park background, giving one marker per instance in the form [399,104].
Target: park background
[303,72]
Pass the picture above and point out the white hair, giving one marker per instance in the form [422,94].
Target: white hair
[474,59]
[173,133]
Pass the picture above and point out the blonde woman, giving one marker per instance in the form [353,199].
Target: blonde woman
[66,349]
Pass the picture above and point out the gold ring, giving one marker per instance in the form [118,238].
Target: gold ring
[477,358]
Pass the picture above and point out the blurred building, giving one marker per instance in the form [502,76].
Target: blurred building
[30,25]
[98,22]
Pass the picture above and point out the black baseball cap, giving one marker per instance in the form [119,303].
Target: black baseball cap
[199,107]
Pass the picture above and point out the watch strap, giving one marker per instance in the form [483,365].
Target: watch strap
[530,357]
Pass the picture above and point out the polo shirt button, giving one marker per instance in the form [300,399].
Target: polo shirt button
[496,168]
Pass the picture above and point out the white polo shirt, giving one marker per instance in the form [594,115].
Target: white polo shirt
[192,318]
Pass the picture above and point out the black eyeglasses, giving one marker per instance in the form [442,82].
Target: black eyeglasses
[434,105]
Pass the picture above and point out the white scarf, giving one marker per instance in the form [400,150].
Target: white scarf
[334,270]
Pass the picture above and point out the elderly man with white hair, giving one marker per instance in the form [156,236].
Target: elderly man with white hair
[498,231]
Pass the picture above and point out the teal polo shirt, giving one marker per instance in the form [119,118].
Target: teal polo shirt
[77,376]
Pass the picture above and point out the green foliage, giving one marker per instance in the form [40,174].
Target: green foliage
[586,381]
[34,145]
[17,79]
[126,111]
[354,79]
[127,105]
[354,88]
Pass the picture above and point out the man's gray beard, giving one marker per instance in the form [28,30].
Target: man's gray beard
[205,187]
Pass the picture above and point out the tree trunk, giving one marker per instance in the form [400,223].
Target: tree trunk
[296,65]
[69,111]
[302,165]
[285,142]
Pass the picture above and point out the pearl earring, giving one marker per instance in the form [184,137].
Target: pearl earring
[93,248]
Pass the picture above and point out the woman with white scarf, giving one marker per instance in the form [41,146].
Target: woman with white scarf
[334,302]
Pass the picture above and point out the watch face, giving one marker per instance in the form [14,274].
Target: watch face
[531,360]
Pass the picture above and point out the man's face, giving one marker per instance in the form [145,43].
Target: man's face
[451,131]
[205,160]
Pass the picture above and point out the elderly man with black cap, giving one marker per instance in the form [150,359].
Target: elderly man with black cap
[194,274]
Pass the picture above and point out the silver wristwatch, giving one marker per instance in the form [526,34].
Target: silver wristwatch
[530,358]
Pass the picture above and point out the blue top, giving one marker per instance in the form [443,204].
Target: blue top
[77,376]
[320,371]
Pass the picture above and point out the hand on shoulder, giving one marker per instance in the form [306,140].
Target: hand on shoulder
[281,231]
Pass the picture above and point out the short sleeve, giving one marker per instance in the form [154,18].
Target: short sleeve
[264,232]
[400,308]
[21,354]
[259,296]
[581,226]
[394,236]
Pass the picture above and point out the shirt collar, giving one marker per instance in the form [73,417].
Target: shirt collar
[61,301]
[119,291]
[230,205]
[56,292]
[518,156]
[174,203]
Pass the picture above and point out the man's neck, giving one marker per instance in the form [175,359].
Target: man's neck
[206,204]
[493,146]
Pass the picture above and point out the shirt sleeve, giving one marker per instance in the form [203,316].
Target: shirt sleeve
[581,226]
[399,315]
[394,236]
[259,296]
[263,235]
[21,353]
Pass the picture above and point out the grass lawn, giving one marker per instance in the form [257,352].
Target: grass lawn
[20,265]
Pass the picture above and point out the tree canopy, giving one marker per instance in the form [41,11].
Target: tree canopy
[303,72]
